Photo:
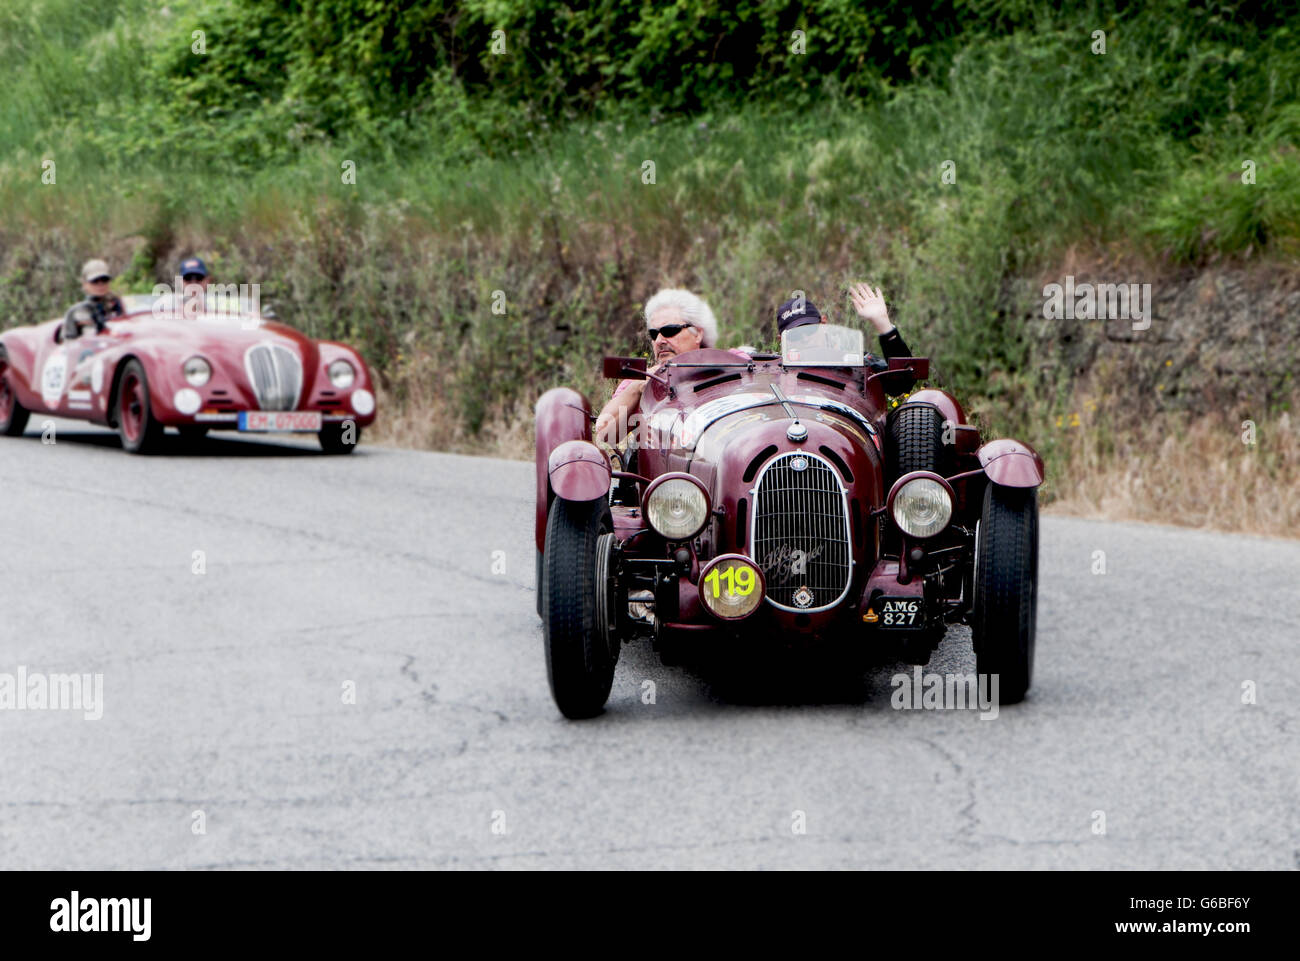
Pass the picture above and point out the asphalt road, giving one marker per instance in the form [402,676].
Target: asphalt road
[224,693]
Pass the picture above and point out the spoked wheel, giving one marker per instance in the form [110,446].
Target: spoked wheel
[13,415]
[1006,589]
[335,439]
[578,598]
[140,431]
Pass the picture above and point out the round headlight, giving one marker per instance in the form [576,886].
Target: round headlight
[342,374]
[197,371]
[922,507]
[677,506]
[363,402]
[731,586]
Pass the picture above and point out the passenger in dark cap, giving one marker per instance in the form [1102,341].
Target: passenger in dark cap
[867,303]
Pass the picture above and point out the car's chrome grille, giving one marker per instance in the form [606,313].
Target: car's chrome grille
[801,533]
[276,374]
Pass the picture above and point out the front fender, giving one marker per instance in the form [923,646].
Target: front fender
[1012,464]
[943,401]
[562,415]
[578,470]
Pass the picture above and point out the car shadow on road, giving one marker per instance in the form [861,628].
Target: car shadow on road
[234,445]
[175,446]
[794,678]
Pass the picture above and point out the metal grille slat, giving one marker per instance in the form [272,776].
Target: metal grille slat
[800,532]
[276,375]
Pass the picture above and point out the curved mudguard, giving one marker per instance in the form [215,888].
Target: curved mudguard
[1012,464]
[578,470]
[944,402]
[562,415]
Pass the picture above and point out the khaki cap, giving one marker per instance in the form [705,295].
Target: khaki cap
[95,268]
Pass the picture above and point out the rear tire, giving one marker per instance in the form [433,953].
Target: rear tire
[580,658]
[13,415]
[334,439]
[1006,589]
[140,431]
[916,442]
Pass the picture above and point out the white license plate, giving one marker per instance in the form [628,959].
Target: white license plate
[280,421]
[900,613]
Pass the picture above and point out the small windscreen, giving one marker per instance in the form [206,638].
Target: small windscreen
[822,345]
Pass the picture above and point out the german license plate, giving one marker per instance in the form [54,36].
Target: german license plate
[279,421]
[900,612]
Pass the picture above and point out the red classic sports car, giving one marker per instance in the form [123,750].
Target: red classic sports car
[158,367]
[781,500]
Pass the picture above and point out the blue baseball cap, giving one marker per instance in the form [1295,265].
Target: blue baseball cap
[192,265]
[796,313]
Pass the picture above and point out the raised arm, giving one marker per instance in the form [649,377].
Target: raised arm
[870,306]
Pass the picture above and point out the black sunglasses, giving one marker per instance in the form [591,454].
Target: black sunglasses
[188,278]
[668,330]
[100,280]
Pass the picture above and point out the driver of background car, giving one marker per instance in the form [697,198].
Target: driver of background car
[867,303]
[676,321]
[101,304]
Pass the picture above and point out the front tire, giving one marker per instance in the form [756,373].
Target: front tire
[537,581]
[140,431]
[1006,589]
[13,415]
[339,438]
[580,657]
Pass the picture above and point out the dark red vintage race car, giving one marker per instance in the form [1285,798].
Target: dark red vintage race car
[781,500]
[159,367]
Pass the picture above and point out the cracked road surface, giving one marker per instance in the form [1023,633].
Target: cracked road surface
[224,693]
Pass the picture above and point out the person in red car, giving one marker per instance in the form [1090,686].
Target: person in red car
[194,290]
[676,321]
[101,304]
[867,303]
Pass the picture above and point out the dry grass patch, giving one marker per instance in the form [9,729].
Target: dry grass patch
[1193,471]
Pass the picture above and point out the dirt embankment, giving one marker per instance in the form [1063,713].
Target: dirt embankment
[1183,416]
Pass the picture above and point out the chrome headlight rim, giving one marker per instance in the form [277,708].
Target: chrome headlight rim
[197,370]
[928,482]
[760,585]
[657,485]
[347,371]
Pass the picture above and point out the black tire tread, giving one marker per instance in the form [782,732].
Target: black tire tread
[579,663]
[916,441]
[331,439]
[1006,593]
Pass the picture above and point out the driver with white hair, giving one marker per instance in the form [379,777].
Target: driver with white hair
[677,321]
